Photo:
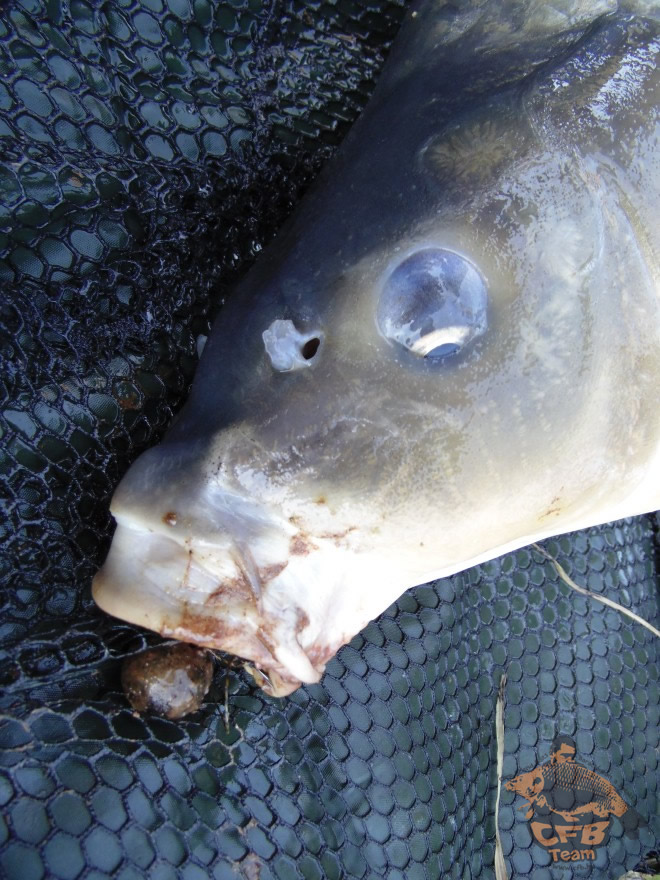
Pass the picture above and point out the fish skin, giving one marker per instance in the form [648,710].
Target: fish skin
[284,510]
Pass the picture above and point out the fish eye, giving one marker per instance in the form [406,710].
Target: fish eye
[288,348]
[433,303]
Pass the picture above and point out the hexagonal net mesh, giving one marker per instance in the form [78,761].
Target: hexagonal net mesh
[149,150]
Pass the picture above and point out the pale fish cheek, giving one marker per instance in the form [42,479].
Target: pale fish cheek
[566,252]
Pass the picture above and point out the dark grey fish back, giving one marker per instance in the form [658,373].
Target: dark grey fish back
[148,152]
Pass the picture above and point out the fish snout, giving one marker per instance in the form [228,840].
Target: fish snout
[214,596]
[209,565]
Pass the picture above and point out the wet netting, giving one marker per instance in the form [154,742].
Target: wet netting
[150,148]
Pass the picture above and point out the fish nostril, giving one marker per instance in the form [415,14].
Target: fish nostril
[310,348]
[288,348]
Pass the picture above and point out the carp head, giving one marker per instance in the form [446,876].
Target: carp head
[451,351]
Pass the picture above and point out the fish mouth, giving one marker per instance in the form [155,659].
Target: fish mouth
[218,596]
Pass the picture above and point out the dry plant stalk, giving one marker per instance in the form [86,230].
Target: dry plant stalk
[500,866]
[571,583]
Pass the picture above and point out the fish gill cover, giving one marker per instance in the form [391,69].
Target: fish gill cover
[149,149]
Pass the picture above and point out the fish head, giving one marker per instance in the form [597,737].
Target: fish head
[528,785]
[426,369]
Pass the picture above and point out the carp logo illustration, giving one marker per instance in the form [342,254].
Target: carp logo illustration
[569,806]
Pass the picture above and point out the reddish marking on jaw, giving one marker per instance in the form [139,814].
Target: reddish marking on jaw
[211,631]
[554,507]
[186,574]
[553,510]
[232,591]
[270,572]
[301,545]
[303,620]
[257,643]
[201,629]
[338,537]
[319,654]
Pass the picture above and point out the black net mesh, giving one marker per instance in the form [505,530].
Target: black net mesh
[149,150]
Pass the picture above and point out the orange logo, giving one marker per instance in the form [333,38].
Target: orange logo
[570,806]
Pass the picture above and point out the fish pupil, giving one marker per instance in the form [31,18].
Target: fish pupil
[443,351]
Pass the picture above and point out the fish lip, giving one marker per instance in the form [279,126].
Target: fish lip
[174,587]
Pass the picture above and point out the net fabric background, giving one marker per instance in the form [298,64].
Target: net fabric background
[149,150]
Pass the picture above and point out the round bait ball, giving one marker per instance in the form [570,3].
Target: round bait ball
[171,680]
